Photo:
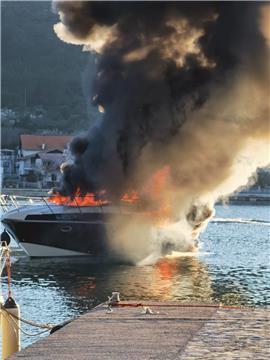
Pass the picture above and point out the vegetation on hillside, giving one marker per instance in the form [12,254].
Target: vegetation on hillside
[42,77]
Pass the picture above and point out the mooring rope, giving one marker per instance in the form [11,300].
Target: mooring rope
[4,250]
[8,266]
[10,318]
[30,322]
[5,258]
[134,304]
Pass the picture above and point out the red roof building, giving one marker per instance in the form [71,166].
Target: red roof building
[31,144]
[40,158]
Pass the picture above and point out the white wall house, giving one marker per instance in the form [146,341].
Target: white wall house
[40,159]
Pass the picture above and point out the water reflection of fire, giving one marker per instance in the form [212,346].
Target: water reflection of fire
[84,285]
[184,278]
[167,268]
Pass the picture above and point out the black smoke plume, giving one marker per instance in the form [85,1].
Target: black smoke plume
[184,89]
[183,84]
[159,65]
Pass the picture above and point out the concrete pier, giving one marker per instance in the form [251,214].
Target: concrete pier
[172,331]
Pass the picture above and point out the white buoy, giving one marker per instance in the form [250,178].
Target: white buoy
[10,328]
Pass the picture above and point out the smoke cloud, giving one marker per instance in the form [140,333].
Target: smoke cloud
[182,86]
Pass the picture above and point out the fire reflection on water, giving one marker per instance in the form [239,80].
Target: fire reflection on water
[166,268]
[184,279]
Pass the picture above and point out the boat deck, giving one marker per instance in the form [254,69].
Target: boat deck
[172,331]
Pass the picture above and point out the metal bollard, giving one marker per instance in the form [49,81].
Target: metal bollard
[114,299]
[10,328]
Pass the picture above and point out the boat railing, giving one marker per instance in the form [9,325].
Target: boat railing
[18,202]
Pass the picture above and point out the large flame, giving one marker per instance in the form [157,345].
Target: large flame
[157,183]
[92,199]
[89,199]
[153,204]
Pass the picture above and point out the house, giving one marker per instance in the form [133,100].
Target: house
[8,161]
[30,171]
[8,169]
[51,162]
[33,144]
[40,157]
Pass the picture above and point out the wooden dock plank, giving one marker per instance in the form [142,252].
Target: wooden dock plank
[126,333]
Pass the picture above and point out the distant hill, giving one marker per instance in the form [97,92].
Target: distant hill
[41,75]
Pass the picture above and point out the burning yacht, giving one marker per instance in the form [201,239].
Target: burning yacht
[46,227]
[93,226]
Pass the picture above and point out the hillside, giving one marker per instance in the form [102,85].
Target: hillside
[42,82]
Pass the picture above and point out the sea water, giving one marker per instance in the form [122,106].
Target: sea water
[231,267]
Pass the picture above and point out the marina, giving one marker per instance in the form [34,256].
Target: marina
[135,181]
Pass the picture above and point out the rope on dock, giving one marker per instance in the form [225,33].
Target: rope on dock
[32,323]
[47,327]
[5,262]
[134,304]
[114,301]
[10,318]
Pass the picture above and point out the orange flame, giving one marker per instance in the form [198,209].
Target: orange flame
[158,182]
[130,197]
[152,190]
[89,199]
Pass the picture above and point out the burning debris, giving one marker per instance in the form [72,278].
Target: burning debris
[182,87]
